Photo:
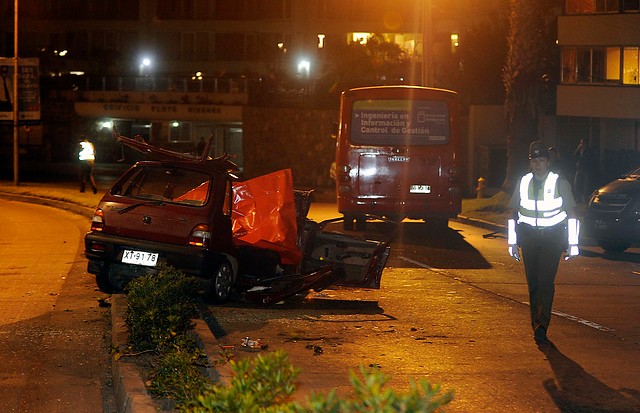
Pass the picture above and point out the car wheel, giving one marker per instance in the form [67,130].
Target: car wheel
[221,283]
[613,246]
[102,279]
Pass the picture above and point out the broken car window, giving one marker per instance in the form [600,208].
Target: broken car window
[175,185]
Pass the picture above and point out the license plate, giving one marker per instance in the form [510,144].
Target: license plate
[420,189]
[150,259]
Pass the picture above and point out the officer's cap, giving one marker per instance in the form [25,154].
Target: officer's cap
[538,149]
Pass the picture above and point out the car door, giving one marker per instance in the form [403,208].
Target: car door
[359,261]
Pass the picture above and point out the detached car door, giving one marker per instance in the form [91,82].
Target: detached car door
[358,261]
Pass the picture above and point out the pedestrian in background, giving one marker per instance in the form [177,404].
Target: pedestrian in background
[557,162]
[86,157]
[584,166]
[544,225]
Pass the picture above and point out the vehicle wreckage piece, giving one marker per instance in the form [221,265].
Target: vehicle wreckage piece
[179,210]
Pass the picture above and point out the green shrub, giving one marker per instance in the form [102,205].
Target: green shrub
[160,308]
[265,385]
[370,396]
[178,374]
[261,384]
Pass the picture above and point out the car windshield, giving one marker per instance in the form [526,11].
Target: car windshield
[175,185]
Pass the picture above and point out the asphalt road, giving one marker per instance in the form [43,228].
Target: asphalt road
[453,309]
[54,336]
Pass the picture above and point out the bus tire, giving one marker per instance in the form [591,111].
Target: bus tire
[361,223]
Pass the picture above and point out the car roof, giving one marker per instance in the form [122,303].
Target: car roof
[211,165]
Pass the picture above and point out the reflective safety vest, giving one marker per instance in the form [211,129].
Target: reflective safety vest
[86,152]
[545,212]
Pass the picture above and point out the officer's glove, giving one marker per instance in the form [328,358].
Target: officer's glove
[573,233]
[514,252]
[512,239]
[572,251]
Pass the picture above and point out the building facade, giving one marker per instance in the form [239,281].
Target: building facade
[176,71]
[599,94]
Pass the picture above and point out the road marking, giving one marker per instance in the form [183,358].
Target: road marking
[421,264]
[558,313]
[581,321]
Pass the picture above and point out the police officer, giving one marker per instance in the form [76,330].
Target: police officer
[86,157]
[544,225]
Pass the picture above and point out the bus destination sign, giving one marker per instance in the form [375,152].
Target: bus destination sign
[388,122]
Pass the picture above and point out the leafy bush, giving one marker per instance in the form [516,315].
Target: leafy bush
[160,308]
[370,396]
[178,374]
[265,385]
[260,384]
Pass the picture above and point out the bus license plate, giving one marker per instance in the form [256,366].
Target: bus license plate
[150,259]
[420,189]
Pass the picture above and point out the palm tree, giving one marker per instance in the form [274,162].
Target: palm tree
[530,77]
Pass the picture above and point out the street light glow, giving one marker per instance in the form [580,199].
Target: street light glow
[303,67]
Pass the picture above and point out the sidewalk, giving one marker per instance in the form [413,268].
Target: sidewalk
[131,394]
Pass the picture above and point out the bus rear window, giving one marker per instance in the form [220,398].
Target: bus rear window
[400,122]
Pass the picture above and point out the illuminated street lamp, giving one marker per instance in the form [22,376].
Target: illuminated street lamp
[198,77]
[304,67]
[304,70]
[146,62]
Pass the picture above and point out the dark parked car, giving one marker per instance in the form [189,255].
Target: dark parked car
[613,214]
[178,210]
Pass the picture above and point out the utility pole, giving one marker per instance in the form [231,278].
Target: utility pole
[16,130]
[427,43]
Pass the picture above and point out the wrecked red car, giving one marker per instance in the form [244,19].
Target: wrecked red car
[251,237]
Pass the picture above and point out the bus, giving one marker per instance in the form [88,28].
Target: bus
[398,155]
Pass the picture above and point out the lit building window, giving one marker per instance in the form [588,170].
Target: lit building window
[360,37]
[600,65]
[592,6]
[569,65]
[455,42]
[630,67]
[613,63]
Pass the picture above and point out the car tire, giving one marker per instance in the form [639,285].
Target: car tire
[613,246]
[220,285]
[102,279]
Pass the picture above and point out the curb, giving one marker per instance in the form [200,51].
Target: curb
[69,206]
[130,392]
[129,386]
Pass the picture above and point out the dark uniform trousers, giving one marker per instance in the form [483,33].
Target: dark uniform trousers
[541,250]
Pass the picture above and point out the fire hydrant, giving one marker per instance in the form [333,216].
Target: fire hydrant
[482,186]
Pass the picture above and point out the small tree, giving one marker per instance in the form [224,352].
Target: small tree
[530,77]
[375,62]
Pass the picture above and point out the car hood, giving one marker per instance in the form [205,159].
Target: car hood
[630,186]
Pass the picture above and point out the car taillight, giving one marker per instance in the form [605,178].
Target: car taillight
[97,222]
[200,236]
